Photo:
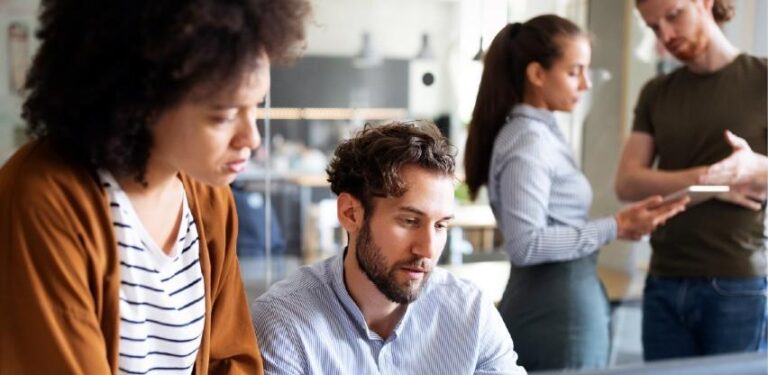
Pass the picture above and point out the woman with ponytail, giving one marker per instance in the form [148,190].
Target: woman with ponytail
[554,305]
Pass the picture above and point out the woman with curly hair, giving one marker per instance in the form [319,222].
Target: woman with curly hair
[117,228]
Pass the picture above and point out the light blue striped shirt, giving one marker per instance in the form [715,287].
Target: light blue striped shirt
[309,324]
[539,196]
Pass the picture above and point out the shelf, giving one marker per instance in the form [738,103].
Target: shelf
[362,114]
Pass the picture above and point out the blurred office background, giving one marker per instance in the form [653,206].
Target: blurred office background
[375,60]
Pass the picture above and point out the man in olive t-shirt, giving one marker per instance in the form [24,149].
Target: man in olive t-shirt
[706,292]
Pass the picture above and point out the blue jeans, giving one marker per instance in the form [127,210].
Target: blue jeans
[685,317]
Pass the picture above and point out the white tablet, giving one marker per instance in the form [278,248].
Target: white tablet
[698,193]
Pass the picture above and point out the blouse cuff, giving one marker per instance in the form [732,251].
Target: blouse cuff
[607,229]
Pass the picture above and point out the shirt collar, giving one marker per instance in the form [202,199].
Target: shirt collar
[538,114]
[351,308]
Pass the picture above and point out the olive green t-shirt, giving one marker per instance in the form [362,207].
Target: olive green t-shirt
[686,114]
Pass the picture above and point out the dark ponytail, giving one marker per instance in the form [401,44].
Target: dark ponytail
[514,29]
[503,82]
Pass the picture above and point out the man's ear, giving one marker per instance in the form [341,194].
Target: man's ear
[534,72]
[350,212]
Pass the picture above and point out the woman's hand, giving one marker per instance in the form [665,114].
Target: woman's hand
[641,218]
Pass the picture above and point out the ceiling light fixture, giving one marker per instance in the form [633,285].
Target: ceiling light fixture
[367,57]
[479,54]
[425,52]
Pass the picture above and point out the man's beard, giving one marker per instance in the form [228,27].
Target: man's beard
[694,47]
[373,264]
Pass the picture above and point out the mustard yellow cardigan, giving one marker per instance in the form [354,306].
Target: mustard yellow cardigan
[60,272]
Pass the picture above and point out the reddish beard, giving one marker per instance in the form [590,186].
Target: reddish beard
[693,47]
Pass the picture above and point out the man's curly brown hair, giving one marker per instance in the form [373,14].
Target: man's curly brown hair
[723,11]
[369,164]
[105,69]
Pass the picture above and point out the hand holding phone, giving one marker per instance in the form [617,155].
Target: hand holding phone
[641,218]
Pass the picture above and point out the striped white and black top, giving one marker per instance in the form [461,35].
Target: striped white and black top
[162,296]
[539,196]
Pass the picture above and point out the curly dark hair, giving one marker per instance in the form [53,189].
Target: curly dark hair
[105,70]
[368,165]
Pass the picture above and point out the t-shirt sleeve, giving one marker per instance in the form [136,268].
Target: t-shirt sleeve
[643,121]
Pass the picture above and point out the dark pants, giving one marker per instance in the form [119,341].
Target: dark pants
[558,315]
[685,317]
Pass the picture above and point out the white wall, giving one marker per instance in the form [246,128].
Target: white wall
[23,11]
[749,27]
[395,26]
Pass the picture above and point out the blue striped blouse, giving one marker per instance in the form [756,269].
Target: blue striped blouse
[309,324]
[539,196]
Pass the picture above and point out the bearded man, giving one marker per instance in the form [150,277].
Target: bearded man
[704,123]
[382,306]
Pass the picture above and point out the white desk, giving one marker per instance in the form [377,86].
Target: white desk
[474,216]
[477,222]
[491,278]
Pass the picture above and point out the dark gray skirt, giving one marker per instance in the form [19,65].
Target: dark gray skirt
[558,315]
